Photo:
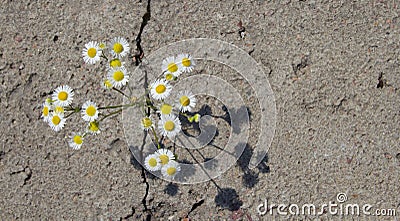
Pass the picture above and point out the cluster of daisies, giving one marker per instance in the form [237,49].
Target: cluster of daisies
[168,111]
[164,120]
[57,109]
[117,75]
[162,160]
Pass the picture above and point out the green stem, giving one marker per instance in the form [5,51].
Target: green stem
[156,137]
[110,114]
[117,106]
[119,91]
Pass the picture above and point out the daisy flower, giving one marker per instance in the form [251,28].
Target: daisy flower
[165,109]
[169,76]
[59,109]
[63,96]
[170,66]
[171,169]
[119,47]
[160,89]
[147,123]
[93,128]
[76,141]
[91,53]
[152,162]
[187,101]
[165,156]
[56,121]
[185,62]
[115,63]
[107,84]
[118,76]
[90,111]
[169,126]
[46,107]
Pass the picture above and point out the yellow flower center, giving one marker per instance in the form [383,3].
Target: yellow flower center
[92,52]
[56,120]
[91,110]
[102,45]
[153,162]
[169,125]
[160,89]
[118,48]
[186,62]
[118,76]
[169,77]
[62,96]
[115,63]
[46,111]
[93,126]
[184,100]
[172,67]
[166,109]
[59,109]
[146,122]
[164,159]
[78,139]
[171,171]
[107,84]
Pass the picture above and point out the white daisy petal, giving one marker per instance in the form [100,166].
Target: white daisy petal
[118,76]
[186,101]
[185,62]
[46,108]
[169,126]
[119,47]
[56,121]
[90,111]
[76,141]
[170,66]
[92,52]
[152,162]
[171,169]
[165,156]
[63,96]
[160,89]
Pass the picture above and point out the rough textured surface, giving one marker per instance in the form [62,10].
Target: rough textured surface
[333,66]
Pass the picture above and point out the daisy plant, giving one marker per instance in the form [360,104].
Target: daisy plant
[161,121]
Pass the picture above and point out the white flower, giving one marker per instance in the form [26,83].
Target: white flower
[171,169]
[165,156]
[187,101]
[91,53]
[89,111]
[152,162]
[146,123]
[169,126]
[118,76]
[93,128]
[119,47]
[56,121]
[185,62]
[160,89]
[46,107]
[170,66]
[165,109]
[76,141]
[63,96]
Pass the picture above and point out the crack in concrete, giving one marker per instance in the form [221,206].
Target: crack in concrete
[146,17]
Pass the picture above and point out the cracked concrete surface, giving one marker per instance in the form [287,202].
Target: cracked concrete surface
[333,66]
